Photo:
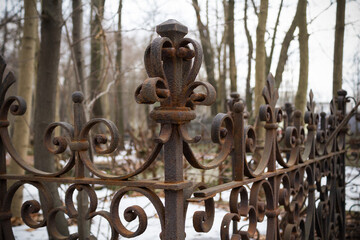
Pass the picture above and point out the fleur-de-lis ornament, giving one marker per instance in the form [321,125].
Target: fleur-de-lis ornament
[271,115]
[311,118]
[172,63]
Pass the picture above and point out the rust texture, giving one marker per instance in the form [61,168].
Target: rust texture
[298,185]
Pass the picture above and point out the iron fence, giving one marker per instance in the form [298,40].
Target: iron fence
[297,184]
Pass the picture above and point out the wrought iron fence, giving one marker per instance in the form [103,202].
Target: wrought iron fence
[297,184]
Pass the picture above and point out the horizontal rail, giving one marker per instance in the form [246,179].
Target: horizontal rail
[212,191]
[106,182]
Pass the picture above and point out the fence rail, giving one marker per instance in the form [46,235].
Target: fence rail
[297,184]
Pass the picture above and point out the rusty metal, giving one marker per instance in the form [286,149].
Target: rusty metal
[298,184]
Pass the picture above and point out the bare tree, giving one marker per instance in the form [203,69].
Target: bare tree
[119,109]
[260,64]
[5,34]
[24,88]
[77,19]
[207,49]
[51,23]
[222,61]
[289,36]
[270,57]
[248,92]
[97,14]
[231,43]
[300,98]
[338,46]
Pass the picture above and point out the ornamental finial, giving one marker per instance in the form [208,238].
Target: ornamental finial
[172,29]
[172,63]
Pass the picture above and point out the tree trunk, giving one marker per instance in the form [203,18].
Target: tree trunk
[5,31]
[119,109]
[51,22]
[231,42]
[300,98]
[207,50]
[24,88]
[97,13]
[260,67]
[248,92]
[222,83]
[77,18]
[289,36]
[269,58]
[338,46]
[222,65]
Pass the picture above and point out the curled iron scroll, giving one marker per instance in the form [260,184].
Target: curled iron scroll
[133,212]
[220,134]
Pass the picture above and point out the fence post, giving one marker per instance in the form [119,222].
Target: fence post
[341,102]
[171,69]
[5,217]
[172,63]
[173,148]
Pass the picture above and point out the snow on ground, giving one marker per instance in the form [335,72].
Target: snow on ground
[100,228]
[352,191]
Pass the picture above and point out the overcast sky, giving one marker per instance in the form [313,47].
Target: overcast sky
[146,14]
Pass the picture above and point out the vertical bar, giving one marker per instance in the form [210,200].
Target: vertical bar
[79,121]
[5,223]
[80,170]
[6,232]
[174,199]
[239,142]
[342,106]
[239,145]
[173,149]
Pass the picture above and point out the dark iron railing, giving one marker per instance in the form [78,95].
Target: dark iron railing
[298,187]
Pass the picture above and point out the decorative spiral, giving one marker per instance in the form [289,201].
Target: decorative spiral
[293,140]
[133,212]
[52,226]
[29,207]
[19,160]
[202,220]
[220,134]
[194,69]
[152,90]
[311,118]
[225,227]
[206,99]
[238,209]
[70,210]
[250,139]
[320,142]
[265,113]
[239,234]
[101,139]
[153,57]
[260,205]
[291,136]
[285,191]
[59,144]
[278,114]
[17,109]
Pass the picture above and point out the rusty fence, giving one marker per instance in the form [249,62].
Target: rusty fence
[297,184]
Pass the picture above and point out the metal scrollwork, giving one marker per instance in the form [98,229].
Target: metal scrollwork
[297,185]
